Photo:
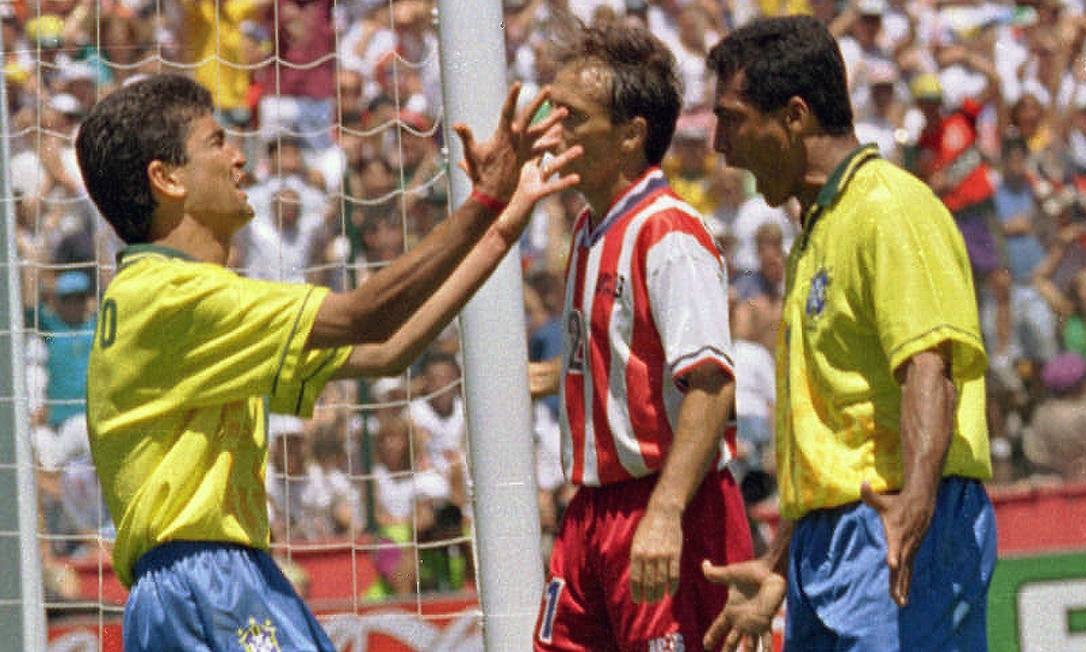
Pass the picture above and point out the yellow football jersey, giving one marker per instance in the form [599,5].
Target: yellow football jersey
[879,275]
[184,356]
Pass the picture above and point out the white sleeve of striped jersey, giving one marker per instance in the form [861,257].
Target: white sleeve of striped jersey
[688,293]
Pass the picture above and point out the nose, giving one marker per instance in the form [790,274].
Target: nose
[237,155]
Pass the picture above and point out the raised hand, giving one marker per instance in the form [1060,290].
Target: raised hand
[494,166]
[755,593]
[905,519]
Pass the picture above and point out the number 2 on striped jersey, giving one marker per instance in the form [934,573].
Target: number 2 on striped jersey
[575,333]
[550,608]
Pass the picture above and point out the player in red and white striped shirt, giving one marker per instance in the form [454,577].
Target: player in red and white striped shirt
[646,380]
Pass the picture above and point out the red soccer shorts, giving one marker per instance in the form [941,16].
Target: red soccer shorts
[587,604]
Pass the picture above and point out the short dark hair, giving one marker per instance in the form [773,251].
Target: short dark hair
[792,56]
[644,80]
[145,121]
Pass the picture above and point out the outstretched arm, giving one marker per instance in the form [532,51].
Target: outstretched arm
[379,307]
[391,357]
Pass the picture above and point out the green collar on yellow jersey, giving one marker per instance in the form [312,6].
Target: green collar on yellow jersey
[837,182]
[136,252]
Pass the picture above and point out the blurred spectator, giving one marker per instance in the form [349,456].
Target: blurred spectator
[689,162]
[310,497]
[948,159]
[760,292]
[216,34]
[286,247]
[441,412]
[298,88]
[1061,280]
[408,492]
[883,124]
[1028,324]
[67,326]
[1055,442]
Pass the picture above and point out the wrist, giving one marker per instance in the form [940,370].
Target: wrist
[488,200]
[666,506]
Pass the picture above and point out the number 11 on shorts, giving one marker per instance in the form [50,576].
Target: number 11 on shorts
[550,607]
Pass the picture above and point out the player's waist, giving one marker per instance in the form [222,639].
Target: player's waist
[168,554]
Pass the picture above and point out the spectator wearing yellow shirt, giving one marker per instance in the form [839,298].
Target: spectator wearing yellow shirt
[219,44]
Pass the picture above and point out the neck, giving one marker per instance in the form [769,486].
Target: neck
[189,236]
[600,200]
[824,154]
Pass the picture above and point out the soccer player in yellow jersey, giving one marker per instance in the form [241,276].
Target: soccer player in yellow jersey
[188,352]
[887,539]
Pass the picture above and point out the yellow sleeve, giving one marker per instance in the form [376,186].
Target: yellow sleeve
[921,284]
[247,339]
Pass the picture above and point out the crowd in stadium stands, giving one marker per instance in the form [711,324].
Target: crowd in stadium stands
[337,106]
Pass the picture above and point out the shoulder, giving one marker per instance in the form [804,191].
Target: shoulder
[892,197]
[670,219]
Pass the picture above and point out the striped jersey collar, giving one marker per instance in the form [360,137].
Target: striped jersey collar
[650,182]
[133,253]
[838,181]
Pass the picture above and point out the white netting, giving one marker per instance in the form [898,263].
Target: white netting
[338,109]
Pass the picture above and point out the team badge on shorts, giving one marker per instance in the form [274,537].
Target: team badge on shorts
[672,642]
[816,297]
[257,637]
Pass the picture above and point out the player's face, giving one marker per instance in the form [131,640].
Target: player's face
[584,91]
[755,141]
[212,177]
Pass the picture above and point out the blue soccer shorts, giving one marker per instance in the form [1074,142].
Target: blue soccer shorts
[202,596]
[839,583]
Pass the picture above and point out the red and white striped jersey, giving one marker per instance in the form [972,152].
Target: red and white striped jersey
[646,301]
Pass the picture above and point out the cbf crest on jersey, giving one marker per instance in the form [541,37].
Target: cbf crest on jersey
[258,638]
[816,296]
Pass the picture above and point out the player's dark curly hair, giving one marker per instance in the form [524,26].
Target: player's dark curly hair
[793,56]
[644,80]
[145,121]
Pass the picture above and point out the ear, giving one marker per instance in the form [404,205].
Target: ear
[798,117]
[165,179]
[634,135]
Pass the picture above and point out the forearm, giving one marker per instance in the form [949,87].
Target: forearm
[776,557]
[393,356]
[927,421]
[702,416]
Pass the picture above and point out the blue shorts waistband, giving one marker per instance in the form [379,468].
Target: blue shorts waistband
[166,554]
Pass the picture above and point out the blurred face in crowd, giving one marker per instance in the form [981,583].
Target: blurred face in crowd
[286,158]
[1027,115]
[691,24]
[393,445]
[690,152]
[72,308]
[288,454]
[866,30]
[287,208]
[1014,166]
[771,259]
[383,237]
[441,382]
[931,109]
[882,96]
[756,141]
